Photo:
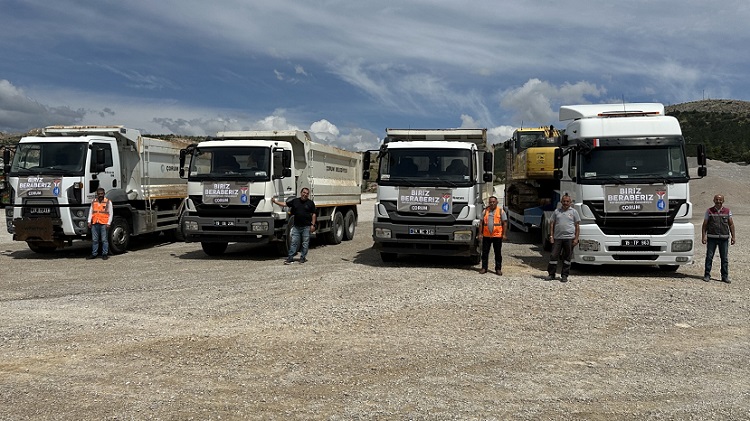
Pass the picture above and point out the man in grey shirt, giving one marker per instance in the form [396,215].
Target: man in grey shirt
[564,230]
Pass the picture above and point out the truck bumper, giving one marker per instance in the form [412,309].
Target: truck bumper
[229,230]
[426,239]
[676,247]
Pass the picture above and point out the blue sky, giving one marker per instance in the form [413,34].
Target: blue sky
[348,69]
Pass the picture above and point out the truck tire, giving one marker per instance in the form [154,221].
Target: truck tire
[41,248]
[350,225]
[214,249]
[283,246]
[336,234]
[119,235]
[669,268]
[388,257]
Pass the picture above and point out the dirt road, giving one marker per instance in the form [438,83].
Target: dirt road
[165,332]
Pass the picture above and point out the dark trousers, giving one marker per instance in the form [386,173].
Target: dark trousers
[562,249]
[723,245]
[488,242]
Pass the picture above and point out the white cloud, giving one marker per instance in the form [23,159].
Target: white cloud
[20,113]
[537,102]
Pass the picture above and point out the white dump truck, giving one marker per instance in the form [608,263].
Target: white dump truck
[233,177]
[432,186]
[54,177]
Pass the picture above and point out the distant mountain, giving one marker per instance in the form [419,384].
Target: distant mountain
[723,125]
[731,106]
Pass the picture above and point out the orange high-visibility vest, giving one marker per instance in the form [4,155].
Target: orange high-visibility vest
[497,223]
[99,212]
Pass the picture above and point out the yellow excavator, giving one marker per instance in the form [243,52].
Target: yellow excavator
[531,177]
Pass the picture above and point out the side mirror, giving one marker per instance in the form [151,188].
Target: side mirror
[506,144]
[487,177]
[366,157]
[701,155]
[99,161]
[558,159]
[286,172]
[286,159]
[6,161]
[183,153]
[487,164]
[702,172]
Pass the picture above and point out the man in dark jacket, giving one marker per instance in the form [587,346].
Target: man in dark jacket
[303,211]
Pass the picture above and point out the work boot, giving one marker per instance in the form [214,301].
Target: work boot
[498,272]
[564,279]
[483,270]
[90,257]
[706,278]
[550,277]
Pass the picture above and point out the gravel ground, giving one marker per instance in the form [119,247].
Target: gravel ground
[164,332]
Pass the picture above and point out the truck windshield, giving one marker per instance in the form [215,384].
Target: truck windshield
[655,164]
[438,167]
[242,163]
[53,158]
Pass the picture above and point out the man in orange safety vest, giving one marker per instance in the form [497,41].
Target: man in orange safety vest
[494,226]
[100,217]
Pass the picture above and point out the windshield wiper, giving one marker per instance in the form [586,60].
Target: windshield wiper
[617,180]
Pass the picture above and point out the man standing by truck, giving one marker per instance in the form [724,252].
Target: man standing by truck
[717,229]
[564,230]
[303,211]
[100,217]
[494,228]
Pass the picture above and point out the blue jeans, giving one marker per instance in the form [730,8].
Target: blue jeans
[99,233]
[298,232]
[723,244]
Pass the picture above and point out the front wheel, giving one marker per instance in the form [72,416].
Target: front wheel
[669,268]
[119,235]
[214,249]
[41,248]
[388,257]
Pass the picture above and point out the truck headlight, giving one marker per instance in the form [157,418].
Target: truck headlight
[588,245]
[259,226]
[682,245]
[463,236]
[191,226]
[382,233]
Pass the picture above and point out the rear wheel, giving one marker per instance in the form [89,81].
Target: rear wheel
[350,224]
[336,234]
[214,249]
[119,235]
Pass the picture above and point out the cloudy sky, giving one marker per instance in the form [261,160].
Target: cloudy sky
[347,69]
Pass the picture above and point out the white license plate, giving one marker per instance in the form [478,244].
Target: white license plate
[40,211]
[421,231]
[635,243]
[224,223]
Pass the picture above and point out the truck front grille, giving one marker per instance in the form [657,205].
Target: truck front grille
[640,223]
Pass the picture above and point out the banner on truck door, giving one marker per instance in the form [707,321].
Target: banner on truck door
[635,198]
[422,200]
[225,193]
[39,186]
